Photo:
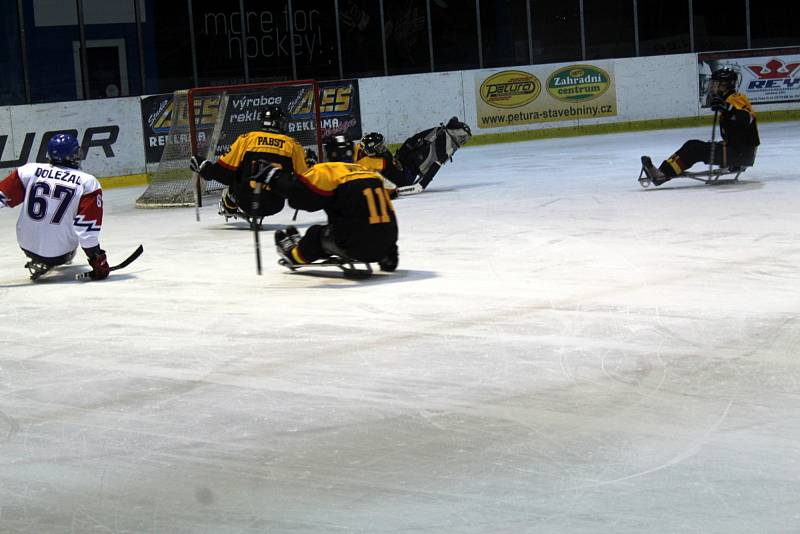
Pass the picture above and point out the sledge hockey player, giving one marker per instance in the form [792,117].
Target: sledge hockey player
[62,207]
[737,125]
[371,153]
[417,160]
[271,145]
[362,225]
[422,155]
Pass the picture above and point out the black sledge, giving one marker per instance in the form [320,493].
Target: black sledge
[350,268]
[716,176]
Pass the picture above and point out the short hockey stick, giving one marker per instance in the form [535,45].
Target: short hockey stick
[713,138]
[256,227]
[409,190]
[197,195]
[124,263]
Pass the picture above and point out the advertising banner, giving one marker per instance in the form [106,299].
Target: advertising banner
[108,131]
[339,114]
[340,109]
[766,77]
[545,94]
[157,116]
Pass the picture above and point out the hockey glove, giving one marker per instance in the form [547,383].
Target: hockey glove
[311,157]
[197,163]
[98,263]
[265,173]
[719,104]
[390,262]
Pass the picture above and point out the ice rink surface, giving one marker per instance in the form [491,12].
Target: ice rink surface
[560,351]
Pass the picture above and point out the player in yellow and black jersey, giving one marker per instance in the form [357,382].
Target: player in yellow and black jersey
[372,153]
[362,224]
[270,145]
[737,126]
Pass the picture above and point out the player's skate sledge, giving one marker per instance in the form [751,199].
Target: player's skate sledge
[650,174]
[286,240]
[716,176]
[37,268]
[229,209]
[350,268]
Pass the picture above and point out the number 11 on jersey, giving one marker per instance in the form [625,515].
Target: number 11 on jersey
[384,204]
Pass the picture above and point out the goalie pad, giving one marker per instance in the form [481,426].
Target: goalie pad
[423,153]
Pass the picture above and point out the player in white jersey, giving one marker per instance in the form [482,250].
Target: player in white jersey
[62,207]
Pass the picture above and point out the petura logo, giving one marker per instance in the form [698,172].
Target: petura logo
[510,89]
[578,83]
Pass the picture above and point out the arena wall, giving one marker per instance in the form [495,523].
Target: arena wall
[651,92]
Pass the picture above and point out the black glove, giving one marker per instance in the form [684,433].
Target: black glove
[197,163]
[719,104]
[265,173]
[390,262]
[311,157]
[98,263]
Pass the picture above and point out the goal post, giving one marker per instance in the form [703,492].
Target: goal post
[207,120]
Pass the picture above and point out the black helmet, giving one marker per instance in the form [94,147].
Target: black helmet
[339,148]
[727,80]
[372,144]
[274,119]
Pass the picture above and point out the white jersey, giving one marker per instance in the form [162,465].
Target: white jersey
[61,208]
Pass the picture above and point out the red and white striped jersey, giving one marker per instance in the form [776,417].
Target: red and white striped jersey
[61,208]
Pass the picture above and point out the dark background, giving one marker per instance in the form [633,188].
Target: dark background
[180,44]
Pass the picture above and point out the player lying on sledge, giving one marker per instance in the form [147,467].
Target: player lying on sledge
[418,159]
[732,155]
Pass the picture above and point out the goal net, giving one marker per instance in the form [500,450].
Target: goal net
[207,120]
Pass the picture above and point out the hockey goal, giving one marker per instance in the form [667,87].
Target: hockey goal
[207,120]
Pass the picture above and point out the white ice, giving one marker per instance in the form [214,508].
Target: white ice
[560,351]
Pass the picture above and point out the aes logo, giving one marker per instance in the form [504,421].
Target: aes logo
[336,99]
[332,99]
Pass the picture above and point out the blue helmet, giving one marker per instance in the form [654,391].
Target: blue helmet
[63,149]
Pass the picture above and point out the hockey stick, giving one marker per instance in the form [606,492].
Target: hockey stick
[256,227]
[196,189]
[713,137]
[124,263]
[409,190]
